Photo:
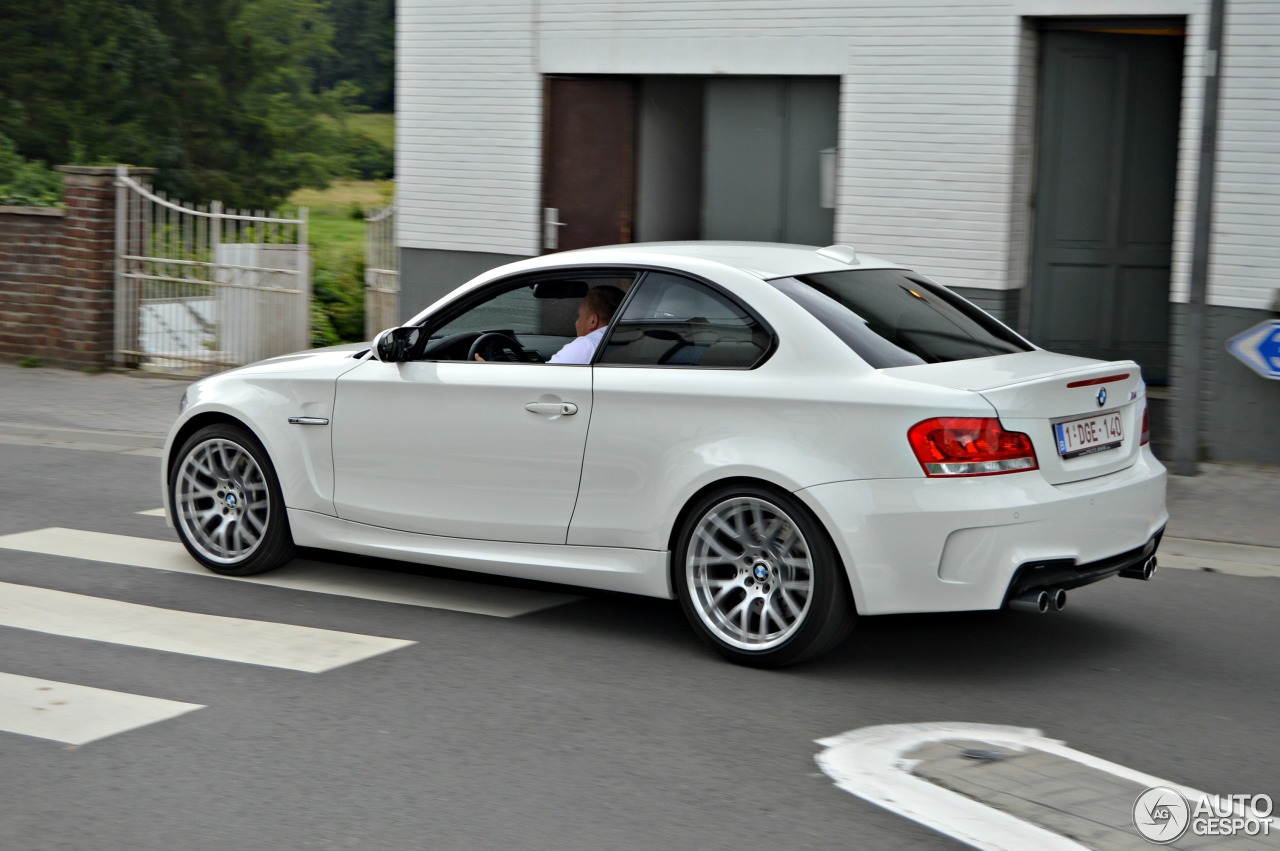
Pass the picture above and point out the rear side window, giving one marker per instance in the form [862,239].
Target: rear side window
[892,317]
[675,321]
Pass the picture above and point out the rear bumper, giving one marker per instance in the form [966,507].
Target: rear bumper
[1067,574]
[937,545]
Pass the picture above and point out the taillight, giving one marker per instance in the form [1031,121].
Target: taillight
[970,446]
[1146,425]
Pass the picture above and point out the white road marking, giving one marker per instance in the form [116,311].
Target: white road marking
[870,764]
[76,714]
[274,645]
[384,586]
[152,512]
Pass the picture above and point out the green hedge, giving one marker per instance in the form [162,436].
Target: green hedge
[26,183]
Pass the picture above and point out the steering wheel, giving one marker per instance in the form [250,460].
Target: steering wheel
[495,345]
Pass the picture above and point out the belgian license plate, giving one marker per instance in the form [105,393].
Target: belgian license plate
[1088,435]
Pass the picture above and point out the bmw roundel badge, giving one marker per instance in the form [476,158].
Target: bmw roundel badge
[1102,397]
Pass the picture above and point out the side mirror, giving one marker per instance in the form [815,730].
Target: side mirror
[395,344]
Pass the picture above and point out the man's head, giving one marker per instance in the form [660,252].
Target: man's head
[597,308]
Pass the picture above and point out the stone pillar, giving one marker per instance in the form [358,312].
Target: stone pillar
[85,328]
[57,274]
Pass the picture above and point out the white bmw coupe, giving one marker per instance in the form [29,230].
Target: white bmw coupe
[779,436]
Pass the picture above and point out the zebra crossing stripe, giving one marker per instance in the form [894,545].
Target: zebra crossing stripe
[75,714]
[381,585]
[274,645]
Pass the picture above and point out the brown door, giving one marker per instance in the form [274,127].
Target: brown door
[589,167]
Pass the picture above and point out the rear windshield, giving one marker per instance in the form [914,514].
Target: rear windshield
[892,317]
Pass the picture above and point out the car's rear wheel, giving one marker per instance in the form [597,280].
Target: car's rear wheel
[226,503]
[759,578]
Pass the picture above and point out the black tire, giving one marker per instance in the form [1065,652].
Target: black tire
[226,505]
[759,578]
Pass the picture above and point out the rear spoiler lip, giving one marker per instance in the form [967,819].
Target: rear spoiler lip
[1087,371]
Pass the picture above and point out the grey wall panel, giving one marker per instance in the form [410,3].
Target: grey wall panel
[669,179]
[813,107]
[742,174]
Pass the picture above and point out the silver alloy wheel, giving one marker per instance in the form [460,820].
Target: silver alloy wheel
[222,501]
[750,573]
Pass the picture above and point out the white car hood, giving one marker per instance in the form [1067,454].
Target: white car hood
[334,360]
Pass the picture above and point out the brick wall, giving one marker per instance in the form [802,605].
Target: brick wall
[57,274]
[30,277]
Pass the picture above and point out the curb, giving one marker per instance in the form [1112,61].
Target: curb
[1218,557]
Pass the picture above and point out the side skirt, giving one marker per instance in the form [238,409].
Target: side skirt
[606,568]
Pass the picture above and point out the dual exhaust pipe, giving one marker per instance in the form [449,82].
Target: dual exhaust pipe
[1056,598]
[1040,601]
[1144,571]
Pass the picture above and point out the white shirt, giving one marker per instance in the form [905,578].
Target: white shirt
[579,349]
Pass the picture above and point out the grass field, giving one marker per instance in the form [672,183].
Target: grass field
[378,126]
[336,214]
[336,231]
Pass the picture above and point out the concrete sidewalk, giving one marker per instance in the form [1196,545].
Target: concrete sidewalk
[1236,506]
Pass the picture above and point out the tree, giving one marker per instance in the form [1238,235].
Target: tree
[219,95]
[364,51]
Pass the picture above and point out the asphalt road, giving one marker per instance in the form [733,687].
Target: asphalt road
[602,723]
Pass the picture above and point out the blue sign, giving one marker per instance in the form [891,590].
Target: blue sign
[1259,348]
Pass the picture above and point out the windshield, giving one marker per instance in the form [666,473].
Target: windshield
[892,317]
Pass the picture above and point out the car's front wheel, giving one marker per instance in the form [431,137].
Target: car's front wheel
[226,502]
[759,578]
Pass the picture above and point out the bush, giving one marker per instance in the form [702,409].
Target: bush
[26,183]
[368,159]
[337,288]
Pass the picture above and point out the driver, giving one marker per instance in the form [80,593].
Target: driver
[594,312]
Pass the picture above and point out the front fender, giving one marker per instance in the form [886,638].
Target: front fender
[302,455]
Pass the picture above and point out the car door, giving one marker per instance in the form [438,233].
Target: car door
[674,396]
[445,445]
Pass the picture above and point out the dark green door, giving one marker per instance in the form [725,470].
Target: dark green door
[1104,196]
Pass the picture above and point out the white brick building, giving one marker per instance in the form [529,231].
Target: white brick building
[1038,155]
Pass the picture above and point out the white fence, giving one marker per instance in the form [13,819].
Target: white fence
[200,289]
[381,272]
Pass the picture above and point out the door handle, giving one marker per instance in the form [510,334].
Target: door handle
[559,408]
[550,224]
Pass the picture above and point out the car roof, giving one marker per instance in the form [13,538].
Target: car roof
[763,259]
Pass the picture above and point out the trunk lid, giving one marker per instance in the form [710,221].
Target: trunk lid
[1099,405]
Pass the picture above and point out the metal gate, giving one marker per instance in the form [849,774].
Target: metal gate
[202,289]
[381,272]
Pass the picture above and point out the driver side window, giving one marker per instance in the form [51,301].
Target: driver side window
[538,314]
[515,310]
